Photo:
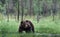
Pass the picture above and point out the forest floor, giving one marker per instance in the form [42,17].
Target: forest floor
[45,25]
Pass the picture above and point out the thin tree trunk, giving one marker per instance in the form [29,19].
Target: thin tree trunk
[30,11]
[38,15]
[22,9]
[54,10]
[18,11]
[7,11]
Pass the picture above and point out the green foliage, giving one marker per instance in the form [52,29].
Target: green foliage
[45,25]
[8,26]
[1,17]
[27,5]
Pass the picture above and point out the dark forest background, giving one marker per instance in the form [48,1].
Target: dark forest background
[30,8]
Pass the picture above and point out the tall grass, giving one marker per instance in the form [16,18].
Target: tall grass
[45,25]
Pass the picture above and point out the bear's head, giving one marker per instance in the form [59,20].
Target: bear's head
[25,24]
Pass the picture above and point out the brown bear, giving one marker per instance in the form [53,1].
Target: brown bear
[26,26]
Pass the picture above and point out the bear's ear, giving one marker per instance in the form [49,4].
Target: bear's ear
[21,22]
[27,21]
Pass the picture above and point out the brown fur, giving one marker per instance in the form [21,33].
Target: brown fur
[26,26]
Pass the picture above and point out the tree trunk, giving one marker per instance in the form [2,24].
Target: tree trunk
[30,10]
[38,14]
[54,8]
[7,11]
[18,11]
[22,9]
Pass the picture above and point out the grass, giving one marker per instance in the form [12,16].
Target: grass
[45,25]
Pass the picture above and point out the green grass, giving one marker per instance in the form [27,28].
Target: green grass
[24,35]
[45,25]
